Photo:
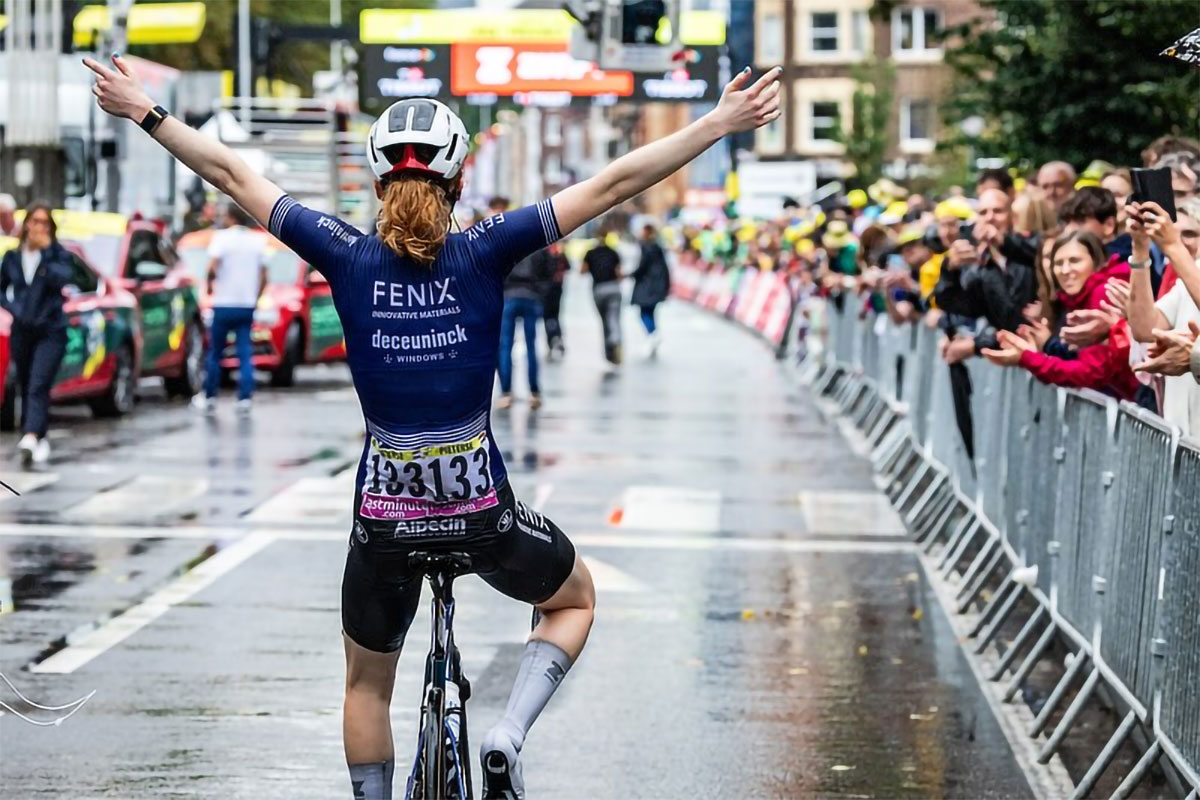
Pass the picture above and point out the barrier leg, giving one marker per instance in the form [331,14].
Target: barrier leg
[1139,771]
[906,465]
[1031,659]
[958,544]
[996,602]
[973,587]
[1068,720]
[913,482]
[993,627]
[934,486]
[888,448]
[1193,795]
[923,516]
[926,532]
[1056,696]
[1011,654]
[1088,782]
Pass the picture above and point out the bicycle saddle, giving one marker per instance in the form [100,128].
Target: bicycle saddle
[448,563]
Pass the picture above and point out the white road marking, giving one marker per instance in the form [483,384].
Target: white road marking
[25,482]
[541,496]
[323,500]
[116,630]
[144,496]
[850,514]
[744,544]
[670,508]
[608,578]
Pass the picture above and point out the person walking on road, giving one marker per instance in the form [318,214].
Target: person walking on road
[651,285]
[522,300]
[425,378]
[555,270]
[33,278]
[603,263]
[237,277]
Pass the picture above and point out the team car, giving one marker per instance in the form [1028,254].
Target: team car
[104,345]
[295,322]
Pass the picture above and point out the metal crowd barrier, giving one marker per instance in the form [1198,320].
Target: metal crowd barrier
[1077,517]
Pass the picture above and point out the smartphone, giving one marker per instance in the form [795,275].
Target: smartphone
[896,262]
[1153,186]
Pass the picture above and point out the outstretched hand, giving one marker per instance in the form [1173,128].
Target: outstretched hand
[745,108]
[1170,354]
[118,91]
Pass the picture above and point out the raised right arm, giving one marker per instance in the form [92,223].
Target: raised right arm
[119,93]
[740,109]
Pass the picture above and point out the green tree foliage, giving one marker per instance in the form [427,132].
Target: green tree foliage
[1073,79]
[866,137]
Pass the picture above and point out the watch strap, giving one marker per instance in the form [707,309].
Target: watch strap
[1138,264]
[153,119]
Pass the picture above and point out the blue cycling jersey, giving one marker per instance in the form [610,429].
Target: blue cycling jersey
[421,342]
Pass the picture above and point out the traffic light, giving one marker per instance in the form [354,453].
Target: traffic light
[634,35]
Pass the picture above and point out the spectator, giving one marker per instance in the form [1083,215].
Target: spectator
[840,247]
[1056,179]
[1033,215]
[1081,272]
[990,274]
[237,277]
[1166,145]
[1184,172]
[902,280]
[33,279]
[949,217]
[1121,185]
[555,269]
[497,205]
[522,300]
[651,285]
[604,265]
[8,222]
[995,179]
[1094,210]
[1176,311]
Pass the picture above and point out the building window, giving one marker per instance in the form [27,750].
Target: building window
[770,38]
[916,124]
[824,121]
[860,32]
[770,137]
[824,32]
[914,31]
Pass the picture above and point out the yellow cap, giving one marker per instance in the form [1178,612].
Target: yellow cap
[857,198]
[955,207]
[805,247]
[912,233]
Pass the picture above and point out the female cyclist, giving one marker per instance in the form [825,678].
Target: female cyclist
[421,312]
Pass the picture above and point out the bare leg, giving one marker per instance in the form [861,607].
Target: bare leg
[567,616]
[366,724]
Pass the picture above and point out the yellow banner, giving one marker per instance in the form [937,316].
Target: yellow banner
[523,26]
[149,23]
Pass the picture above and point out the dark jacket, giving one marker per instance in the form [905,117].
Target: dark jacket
[652,278]
[999,295]
[528,277]
[40,304]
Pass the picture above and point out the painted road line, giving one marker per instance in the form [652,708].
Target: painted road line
[743,544]
[320,500]
[119,531]
[668,508]
[143,497]
[849,514]
[116,630]
[541,496]
[608,579]
[25,482]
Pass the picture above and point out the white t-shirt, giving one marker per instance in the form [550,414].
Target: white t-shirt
[30,260]
[240,253]
[1181,394]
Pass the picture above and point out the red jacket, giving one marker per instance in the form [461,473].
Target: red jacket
[1104,366]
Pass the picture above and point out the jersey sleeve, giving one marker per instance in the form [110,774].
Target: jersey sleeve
[320,239]
[504,239]
[216,245]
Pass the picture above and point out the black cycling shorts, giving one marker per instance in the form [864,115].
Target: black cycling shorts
[519,552]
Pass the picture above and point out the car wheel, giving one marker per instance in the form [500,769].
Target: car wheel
[293,354]
[191,379]
[10,408]
[119,397]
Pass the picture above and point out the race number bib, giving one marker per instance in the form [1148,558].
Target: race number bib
[433,481]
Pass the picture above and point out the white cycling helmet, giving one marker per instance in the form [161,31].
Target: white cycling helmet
[417,134]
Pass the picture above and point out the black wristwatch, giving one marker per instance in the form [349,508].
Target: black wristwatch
[153,119]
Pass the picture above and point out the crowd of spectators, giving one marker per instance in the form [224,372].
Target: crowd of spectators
[1058,273]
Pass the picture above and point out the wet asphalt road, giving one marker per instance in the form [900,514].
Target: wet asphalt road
[762,629]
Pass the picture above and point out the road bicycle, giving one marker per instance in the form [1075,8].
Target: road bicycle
[442,767]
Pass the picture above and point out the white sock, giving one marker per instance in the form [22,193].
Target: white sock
[543,667]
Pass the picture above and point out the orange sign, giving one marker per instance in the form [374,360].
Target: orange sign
[506,69]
